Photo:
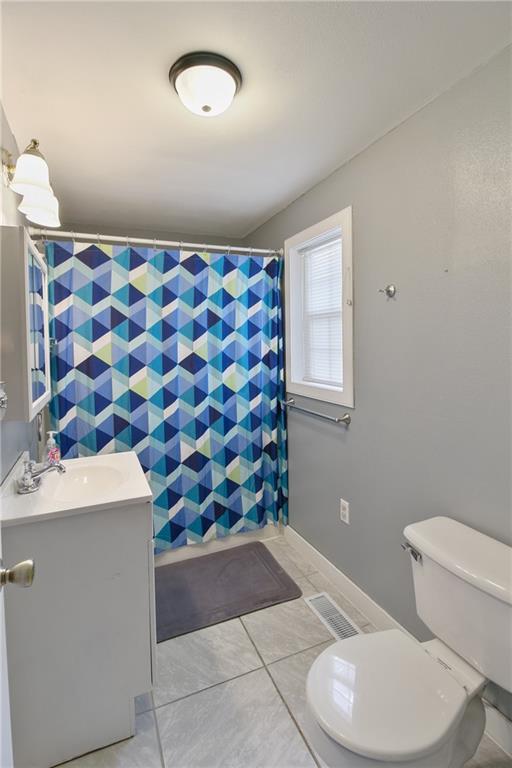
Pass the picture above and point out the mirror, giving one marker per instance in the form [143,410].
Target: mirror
[38,326]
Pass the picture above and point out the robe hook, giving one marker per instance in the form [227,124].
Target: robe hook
[389,290]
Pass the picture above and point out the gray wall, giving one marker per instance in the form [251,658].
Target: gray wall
[431,425]
[15,436]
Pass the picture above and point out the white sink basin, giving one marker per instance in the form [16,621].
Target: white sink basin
[83,482]
[90,483]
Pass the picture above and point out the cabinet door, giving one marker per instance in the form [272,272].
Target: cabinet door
[38,340]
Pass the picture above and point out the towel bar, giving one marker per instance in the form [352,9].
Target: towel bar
[345,419]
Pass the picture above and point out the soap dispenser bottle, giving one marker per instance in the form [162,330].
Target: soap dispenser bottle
[52,449]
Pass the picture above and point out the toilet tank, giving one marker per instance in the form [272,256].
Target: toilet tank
[463,589]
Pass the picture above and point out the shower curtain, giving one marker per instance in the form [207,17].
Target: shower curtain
[178,356]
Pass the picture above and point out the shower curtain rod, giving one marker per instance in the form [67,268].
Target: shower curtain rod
[45,234]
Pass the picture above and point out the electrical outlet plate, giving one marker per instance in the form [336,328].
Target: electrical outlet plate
[344,511]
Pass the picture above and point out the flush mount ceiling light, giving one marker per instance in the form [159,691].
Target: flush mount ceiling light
[30,177]
[205,82]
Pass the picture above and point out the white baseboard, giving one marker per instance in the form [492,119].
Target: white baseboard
[498,727]
[375,614]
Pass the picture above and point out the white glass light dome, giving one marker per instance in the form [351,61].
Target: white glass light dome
[205,82]
[206,91]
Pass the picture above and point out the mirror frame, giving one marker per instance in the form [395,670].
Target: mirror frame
[35,406]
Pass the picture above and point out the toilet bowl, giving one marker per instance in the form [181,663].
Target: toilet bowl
[384,699]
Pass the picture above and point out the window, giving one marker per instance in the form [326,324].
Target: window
[318,287]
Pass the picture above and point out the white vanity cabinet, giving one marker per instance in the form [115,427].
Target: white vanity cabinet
[81,639]
[25,338]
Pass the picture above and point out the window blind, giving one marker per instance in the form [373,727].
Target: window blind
[322,312]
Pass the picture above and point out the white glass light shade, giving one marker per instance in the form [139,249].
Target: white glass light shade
[206,90]
[31,174]
[41,207]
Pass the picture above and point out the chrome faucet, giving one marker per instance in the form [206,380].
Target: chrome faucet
[30,480]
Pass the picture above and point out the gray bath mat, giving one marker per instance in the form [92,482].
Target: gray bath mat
[205,590]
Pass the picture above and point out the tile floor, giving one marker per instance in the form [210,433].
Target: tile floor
[233,695]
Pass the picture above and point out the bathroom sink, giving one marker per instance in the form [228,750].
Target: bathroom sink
[91,483]
[82,481]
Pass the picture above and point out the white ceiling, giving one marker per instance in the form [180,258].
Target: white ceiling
[321,82]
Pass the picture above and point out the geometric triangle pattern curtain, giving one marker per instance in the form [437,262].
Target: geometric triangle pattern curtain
[178,356]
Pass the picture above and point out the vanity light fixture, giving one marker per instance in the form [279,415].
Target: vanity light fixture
[205,82]
[31,171]
[30,177]
[41,208]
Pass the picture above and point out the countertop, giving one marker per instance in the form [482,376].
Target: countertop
[119,478]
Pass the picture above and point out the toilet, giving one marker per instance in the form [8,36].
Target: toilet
[384,699]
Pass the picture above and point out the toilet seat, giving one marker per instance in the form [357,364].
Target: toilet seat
[382,696]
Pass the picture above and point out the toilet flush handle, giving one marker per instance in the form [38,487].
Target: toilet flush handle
[413,552]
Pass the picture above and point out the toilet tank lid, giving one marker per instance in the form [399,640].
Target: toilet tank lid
[478,559]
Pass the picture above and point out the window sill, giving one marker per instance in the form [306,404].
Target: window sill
[320,392]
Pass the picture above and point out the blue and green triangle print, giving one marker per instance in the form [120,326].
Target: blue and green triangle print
[178,356]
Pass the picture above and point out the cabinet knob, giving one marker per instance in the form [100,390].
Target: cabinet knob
[21,574]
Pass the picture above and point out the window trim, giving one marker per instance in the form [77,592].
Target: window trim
[295,382]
